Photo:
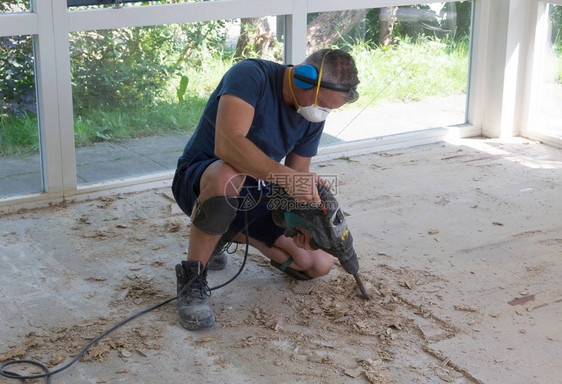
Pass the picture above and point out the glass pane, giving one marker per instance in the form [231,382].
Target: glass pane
[20,170]
[413,67]
[550,114]
[15,6]
[139,92]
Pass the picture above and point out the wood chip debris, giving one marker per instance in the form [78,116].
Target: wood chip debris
[355,372]
[85,219]
[173,226]
[123,294]
[465,308]
[57,358]
[169,195]
[304,287]
[95,278]
[347,158]
[445,377]
[522,300]
[430,331]
[408,284]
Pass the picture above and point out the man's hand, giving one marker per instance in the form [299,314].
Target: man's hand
[302,186]
[302,239]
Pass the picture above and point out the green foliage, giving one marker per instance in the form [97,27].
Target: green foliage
[17,85]
[463,19]
[182,88]
[260,45]
[372,25]
[137,90]
[119,67]
[131,66]
[15,6]
[193,42]
[19,135]
[204,78]
[17,88]
[558,57]
[416,21]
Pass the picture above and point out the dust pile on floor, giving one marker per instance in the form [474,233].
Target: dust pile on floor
[58,343]
[317,330]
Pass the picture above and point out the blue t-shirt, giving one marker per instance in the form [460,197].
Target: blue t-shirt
[276,129]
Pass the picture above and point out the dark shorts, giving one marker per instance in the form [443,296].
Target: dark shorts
[185,188]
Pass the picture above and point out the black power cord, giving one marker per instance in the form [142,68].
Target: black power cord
[48,374]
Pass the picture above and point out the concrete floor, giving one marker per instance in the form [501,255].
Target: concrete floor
[460,246]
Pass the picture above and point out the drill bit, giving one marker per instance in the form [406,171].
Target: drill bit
[361,287]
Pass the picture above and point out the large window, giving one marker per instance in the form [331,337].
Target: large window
[139,92]
[413,67]
[549,117]
[19,141]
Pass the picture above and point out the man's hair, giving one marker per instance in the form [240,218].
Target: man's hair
[339,68]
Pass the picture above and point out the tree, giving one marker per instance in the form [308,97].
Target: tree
[387,20]
[455,20]
[328,28]
[255,38]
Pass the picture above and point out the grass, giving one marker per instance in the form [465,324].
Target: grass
[117,124]
[411,70]
[19,135]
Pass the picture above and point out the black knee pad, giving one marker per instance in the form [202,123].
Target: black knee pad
[215,214]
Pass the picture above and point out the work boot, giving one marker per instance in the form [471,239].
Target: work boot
[219,256]
[218,260]
[194,309]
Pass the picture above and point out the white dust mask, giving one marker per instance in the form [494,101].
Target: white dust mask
[314,113]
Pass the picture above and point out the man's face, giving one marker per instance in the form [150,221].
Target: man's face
[328,98]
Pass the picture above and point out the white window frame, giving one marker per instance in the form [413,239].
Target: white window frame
[534,73]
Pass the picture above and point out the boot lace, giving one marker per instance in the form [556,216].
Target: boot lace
[197,286]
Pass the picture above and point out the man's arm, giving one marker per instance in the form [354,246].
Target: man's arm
[234,119]
[298,163]
[302,165]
